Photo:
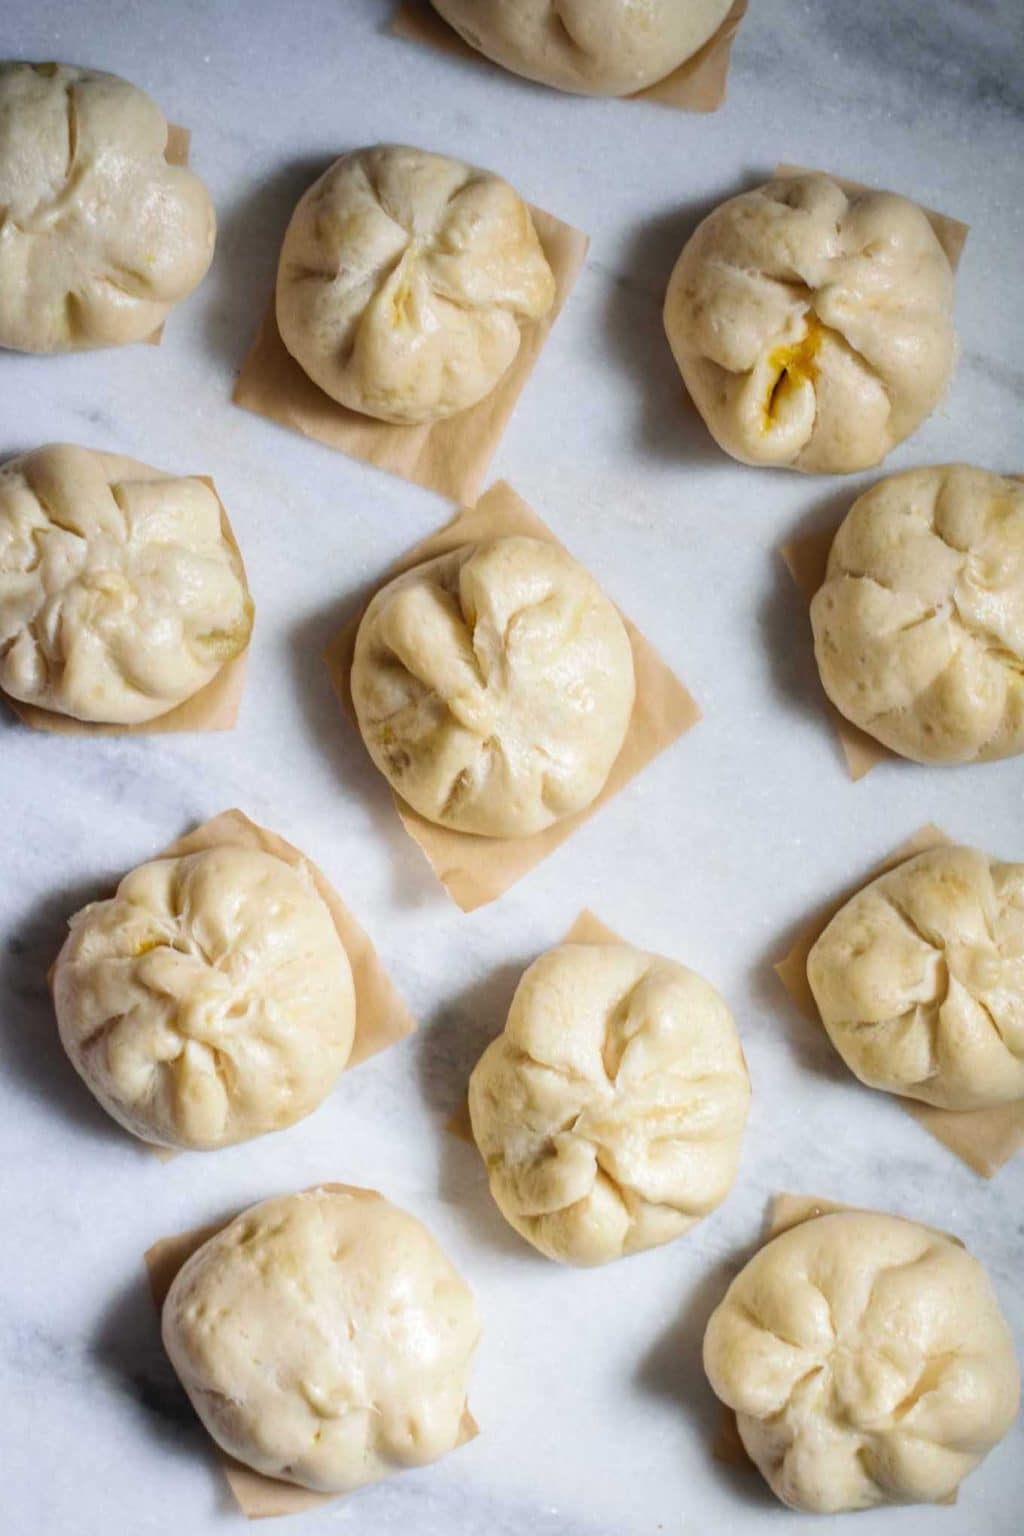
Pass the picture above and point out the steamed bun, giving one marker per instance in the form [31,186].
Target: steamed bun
[867,1362]
[592,47]
[209,1001]
[405,282]
[101,237]
[813,328]
[919,980]
[325,1339]
[610,1112]
[919,624]
[121,594]
[494,687]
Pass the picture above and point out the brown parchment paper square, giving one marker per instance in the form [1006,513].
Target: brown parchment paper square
[450,456]
[698,85]
[984,1139]
[258,1497]
[475,870]
[214,708]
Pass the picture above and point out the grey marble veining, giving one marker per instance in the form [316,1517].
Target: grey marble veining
[596,1418]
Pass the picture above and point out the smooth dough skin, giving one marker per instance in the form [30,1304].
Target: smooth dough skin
[405,282]
[209,1001]
[919,625]
[324,1339]
[610,1112]
[494,687]
[814,330]
[867,1362]
[120,594]
[591,47]
[919,980]
[99,236]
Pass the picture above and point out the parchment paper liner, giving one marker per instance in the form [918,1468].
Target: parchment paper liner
[382,1019]
[475,870]
[587,929]
[214,708]
[698,85]
[785,1212]
[985,1139]
[257,1496]
[451,456]
[807,561]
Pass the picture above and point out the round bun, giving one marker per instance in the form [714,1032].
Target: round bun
[324,1339]
[405,282]
[591,47]
[610,1112]
[812,327]
[919,980]
[209,1001]
[867,1363]
[121,594]
[101,237]
[919,626]
[494,687]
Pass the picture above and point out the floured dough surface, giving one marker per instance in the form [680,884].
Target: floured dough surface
[209,1001]
[919,980]
[813,329]
[100,236]
[494,687]
[592,47]
[867,1361]
[325,1339]
[919,625]
[610,1112]
[406,280]
[120,593]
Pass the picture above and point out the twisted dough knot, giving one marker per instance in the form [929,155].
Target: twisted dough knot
[405,282]
[99,236]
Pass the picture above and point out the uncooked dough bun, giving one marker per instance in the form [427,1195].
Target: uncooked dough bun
[867,1361]
[919,626]
[610,1111]
[919,980]
[813,329]
[121,595]
[494,687]
[101,237]
[405,282]
[592,47]
[325,1339]
[209,1001]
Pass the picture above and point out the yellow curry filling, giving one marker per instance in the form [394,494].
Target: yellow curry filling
[789,367]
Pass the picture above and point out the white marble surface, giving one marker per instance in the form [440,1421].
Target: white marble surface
[596,1417]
